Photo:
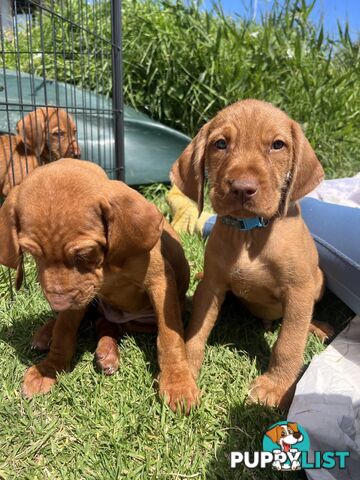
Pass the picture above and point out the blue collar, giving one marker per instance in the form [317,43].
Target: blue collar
[245,224]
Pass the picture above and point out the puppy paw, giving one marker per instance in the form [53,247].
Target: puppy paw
[107,355]
[179,391]
[267,325]
[38,379]
[268,391]
[323,330]
[42,337]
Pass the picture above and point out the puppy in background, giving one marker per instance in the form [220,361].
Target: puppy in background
[43,136]
[259,165]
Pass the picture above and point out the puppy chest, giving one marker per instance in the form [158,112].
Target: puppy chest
[124,295]
[254,281]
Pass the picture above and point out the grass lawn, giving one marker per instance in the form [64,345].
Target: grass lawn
[96,427]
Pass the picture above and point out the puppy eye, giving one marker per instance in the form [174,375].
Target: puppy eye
[277,145]
[81,259]
[87,258]
[221,144]
[59,133]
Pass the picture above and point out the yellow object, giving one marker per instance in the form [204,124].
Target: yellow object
[185,212]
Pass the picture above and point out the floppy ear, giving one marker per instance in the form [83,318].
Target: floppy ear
[273,434]
[31,128]
[188,172]
[134,225]
[9,246]
[307,170]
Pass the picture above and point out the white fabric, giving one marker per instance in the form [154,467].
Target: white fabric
[114,315]
[327,403]
[342,191]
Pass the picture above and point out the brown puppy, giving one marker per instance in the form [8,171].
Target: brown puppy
[93,237]
[259,164]
[44,135]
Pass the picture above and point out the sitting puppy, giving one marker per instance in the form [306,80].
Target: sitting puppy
[44,135]
[95,237]
[259,164]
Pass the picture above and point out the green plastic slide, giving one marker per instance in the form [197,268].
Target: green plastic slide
[150,147]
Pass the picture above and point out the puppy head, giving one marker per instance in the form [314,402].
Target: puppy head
[49,133]
[10,254]
[76,224]
[257,158]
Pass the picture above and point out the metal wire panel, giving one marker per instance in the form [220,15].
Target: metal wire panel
[64,54]
[59,53]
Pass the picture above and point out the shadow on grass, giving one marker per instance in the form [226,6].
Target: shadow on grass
[324,417]
[236,328]
[19,335]
[247,426]
[241,331]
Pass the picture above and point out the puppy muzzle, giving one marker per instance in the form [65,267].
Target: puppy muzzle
[74,150]
[61,302]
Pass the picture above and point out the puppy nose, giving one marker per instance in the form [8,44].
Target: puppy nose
[76,152]
[244,188]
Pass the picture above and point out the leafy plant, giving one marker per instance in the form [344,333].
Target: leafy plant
[183,63]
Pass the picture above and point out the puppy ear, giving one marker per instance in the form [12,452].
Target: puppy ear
[19,274]
[273,434]
[307,171]
[134,225]
[188,172]
[31,128]
[9,246]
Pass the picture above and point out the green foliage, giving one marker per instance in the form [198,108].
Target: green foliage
[182,64]
[54,47]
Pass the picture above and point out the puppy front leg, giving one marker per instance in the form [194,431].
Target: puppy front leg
[176,384]
[40,378]
[276,386]
[206,305]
